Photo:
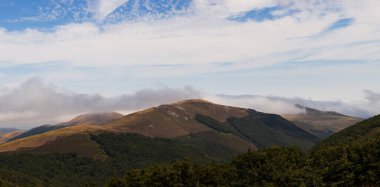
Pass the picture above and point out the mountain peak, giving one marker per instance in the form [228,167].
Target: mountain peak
[193,101]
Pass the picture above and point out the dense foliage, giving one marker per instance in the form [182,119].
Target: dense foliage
[10,178]
[214,124]
[353,164]
[263,130]
[259,168]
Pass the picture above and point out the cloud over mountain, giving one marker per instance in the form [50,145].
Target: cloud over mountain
[36,102]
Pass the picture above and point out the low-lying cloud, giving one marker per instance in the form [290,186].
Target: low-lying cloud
[283,105]
[35,102]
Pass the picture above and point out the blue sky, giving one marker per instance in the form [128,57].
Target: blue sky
[318,50]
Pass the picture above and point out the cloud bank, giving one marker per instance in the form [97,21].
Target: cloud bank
[35,102]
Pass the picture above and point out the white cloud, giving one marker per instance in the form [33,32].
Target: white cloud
[283,105]
[102,8]
[35,102]
[194,44]
[198,39]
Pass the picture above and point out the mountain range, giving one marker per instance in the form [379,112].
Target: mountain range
[93,147]
[236,129]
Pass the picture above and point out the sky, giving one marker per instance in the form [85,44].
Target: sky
[61,58]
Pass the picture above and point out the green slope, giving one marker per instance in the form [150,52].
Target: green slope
[357,131]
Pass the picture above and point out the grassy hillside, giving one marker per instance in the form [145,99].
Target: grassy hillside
[175,120]
[38,140]
[85,119]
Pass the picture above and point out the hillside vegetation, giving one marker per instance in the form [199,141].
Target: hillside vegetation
[136,160]
[349,158]
[122,152]
[207,145]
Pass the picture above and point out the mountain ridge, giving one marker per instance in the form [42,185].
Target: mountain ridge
[178,120]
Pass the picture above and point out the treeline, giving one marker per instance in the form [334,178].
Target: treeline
[356,163]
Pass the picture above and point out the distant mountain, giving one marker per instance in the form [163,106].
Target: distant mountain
[7,130]
[85,119]
[321,123]
[191,123]
[9,133]
[36,130]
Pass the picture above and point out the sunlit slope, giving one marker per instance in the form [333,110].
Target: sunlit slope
[176,119]
[84,119]
[32,142]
